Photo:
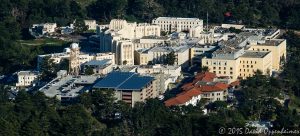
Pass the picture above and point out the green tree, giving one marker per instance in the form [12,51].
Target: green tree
[79,26]
[48,68]
[170,58]
[88,70]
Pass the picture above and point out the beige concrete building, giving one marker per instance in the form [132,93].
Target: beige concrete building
[158,54]
[91,24]
[27,78]
[245,54]
[145,29]
[174,24]
[124,52]
[278,49]
[105,56]
[243,66]
[149,42]
[82,57]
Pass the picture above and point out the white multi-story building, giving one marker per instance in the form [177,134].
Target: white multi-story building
[91,24]
[174,24]
[158,68]
[39,30]
[145,29]
[149,42]
[124,51]
[27,78]
[158,55]
[82,57]
[103,56]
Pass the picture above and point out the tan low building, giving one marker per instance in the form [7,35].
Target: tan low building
[244,66]
[276,46]
[244,55]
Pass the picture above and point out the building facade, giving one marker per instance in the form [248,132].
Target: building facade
[91,24]
[173,24]
[27,78]
[128,87]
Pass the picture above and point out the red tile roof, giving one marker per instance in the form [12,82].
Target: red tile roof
[183,97]
[205,76]
[213,88]
[191,89]
[235,83]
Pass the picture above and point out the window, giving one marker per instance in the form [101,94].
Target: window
[219,72]
[214,68]
[215,72]
[224,68]
[220,68]
[231,73]
[224,72]
[231,68]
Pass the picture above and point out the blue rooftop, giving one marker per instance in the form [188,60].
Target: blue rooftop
[97,62]
[124,81]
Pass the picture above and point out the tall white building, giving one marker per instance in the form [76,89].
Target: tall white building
[124,51]
[174,24]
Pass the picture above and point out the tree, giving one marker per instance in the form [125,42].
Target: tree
[79,26]
[48,68]
[76,10]
[125,62]
[204,69]
[88,70]
[170,58]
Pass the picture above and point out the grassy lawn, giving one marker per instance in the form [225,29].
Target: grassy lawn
[44,41]
[295,103]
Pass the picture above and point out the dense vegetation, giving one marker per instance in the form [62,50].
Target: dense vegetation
[17,15]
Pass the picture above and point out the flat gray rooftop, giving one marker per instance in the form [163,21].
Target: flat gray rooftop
[254,54]
[67,86]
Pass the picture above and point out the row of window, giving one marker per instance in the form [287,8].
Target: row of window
[262,49]
[247,66]
[224,72]
[220,68]
[215,63]
[250,62]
